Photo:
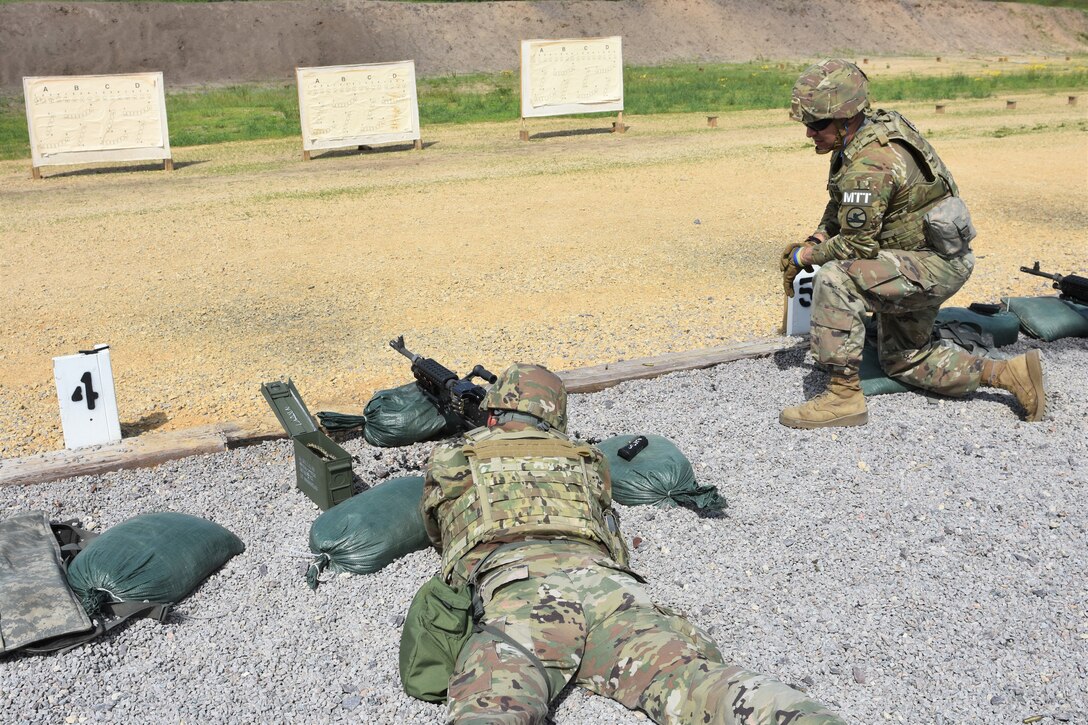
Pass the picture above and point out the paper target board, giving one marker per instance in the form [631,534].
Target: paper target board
[577,75]
[352,105]
[82,119]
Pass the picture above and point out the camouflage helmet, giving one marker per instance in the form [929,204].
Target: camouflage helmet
[531,389]
[834,88]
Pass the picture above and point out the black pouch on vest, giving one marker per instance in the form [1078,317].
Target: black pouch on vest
[948,228]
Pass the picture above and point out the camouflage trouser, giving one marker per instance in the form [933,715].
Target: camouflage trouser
[588,620]
[904,291]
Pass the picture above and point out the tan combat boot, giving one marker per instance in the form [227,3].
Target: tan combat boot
[1023,377]
[842,404]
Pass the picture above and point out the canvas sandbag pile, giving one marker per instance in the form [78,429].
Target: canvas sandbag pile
[61,586]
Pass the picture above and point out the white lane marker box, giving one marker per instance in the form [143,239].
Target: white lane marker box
[88,402]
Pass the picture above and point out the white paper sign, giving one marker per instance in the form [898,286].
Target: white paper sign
[354,105]
[78,119]
[799,309]
[88,403]
[577,75]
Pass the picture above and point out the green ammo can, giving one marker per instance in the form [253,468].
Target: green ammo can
[322,468]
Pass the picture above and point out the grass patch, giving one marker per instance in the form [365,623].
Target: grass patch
[249,112]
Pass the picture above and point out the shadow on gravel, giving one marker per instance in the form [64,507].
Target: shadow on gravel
[154,166]
[143,425]
[815,382]
[786,359]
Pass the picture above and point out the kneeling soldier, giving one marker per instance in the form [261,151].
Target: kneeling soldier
[523,514]
[894,240]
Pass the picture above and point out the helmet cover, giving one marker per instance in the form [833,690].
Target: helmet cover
[531,389]
[833,88]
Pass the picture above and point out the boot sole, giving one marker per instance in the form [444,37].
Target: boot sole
[1037,376]
[844,422]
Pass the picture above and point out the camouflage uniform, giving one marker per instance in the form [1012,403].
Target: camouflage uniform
[552,576]
[876,260]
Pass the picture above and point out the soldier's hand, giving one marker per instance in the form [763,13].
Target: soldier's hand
[788,275]
[790,269]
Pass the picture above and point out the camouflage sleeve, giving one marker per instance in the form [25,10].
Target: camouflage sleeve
[829,222]
[601,462]
[446,477]
[865,192]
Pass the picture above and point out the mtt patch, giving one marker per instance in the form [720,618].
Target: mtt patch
[858,197]
[856,218]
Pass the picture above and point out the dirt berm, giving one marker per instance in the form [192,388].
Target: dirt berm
[253,41]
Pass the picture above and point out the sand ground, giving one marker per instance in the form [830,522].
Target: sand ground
[246,264]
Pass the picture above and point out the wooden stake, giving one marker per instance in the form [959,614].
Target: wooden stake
[1072,100]
[940,108]
[712,121]
[618,125]
[168,164]
[418,144]
[523,133]
[1010,105]
[35,172]
[305,155]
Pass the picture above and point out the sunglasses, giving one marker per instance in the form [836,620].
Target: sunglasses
[820,125]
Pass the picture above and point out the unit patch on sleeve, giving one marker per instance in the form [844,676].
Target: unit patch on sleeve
[856,217]
[858,197]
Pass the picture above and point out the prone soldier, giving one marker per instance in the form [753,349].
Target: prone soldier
[523,515]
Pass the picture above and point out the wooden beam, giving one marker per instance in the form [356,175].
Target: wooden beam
[139,452]
[599,377]
[152,449]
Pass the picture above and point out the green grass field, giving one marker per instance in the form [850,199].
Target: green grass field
[240,113]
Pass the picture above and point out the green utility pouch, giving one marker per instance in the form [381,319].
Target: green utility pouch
[438,623]
[36,605]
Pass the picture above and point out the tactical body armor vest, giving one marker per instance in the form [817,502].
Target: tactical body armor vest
[902,225]
[525,484]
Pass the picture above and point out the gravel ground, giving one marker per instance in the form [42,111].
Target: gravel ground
[927,568]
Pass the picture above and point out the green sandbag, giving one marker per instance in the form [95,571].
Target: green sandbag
[1004,326]
[159,557]
[874,381]
[1049,318]
[369,530]
[403,416]
[659,475]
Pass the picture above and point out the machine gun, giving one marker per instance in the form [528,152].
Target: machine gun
[448,392]
[1072,286]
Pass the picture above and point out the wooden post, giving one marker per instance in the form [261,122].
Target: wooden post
[938,59]
[168,164]
[418,144]
[865,61]
[1010,105]
[35,172]
[305,155]
[523,133]
[712,121]
[940,108]
[617,125]
[1072,100]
